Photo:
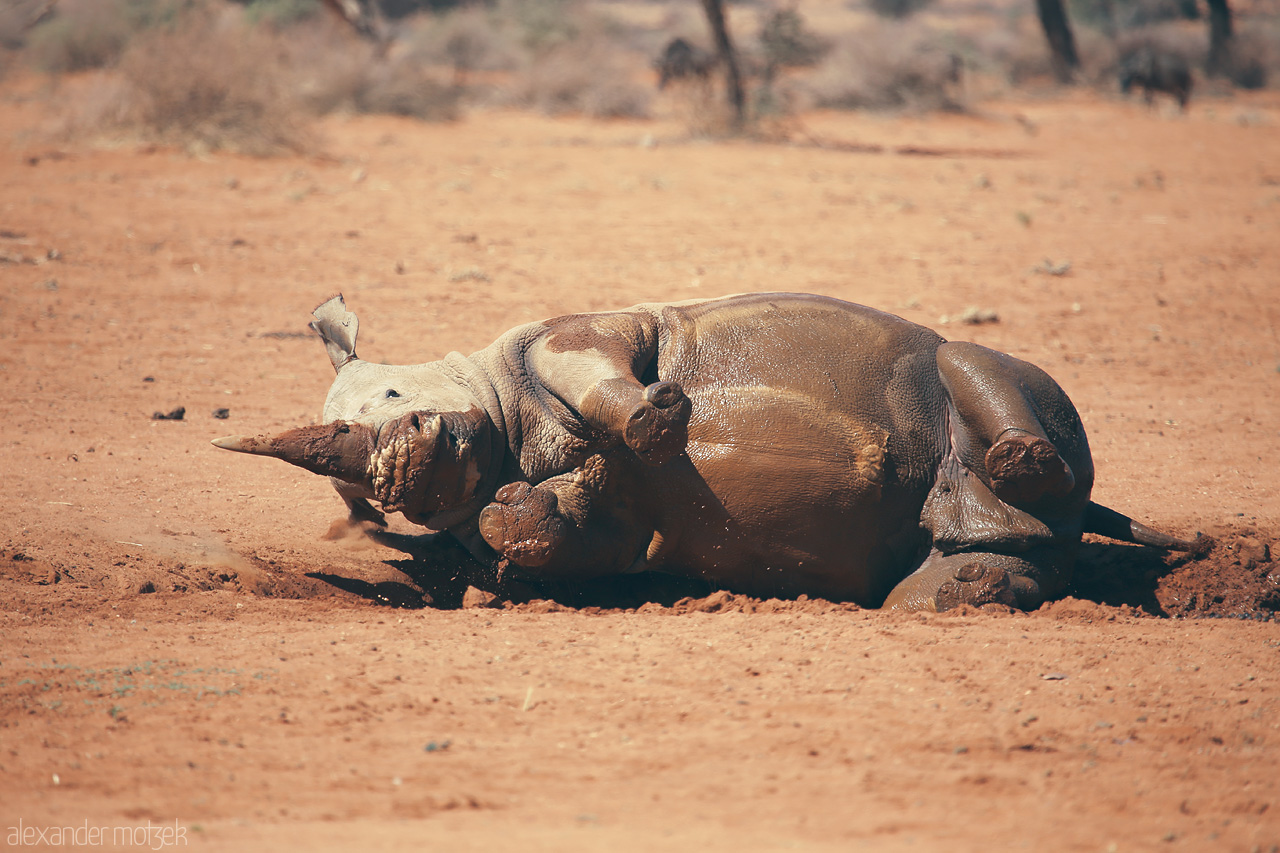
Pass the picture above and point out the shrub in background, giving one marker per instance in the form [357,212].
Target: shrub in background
[544,24]
[328,69]
[1141,13]
[83,36]
[1255,54]
[467,40]
[888,65]
[556,56]
[281,13]
[17,17]
[787,42]
[396,9]
[405,88]
[210,83]
[86,34]
[1188,45]
[587,76]
[897,9]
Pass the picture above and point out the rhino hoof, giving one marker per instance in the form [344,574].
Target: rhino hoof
[658,427]
[522,525]
[976,584]
[1024,468]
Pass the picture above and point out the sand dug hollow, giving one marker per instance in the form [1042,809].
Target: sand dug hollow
[187,641]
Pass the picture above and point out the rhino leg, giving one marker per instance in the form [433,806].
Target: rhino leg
[653,420]
[1014,425]
[578,524]
[523,525]
[946,581]
[1024,467]
[605,367]
[359,509]
[1008,505]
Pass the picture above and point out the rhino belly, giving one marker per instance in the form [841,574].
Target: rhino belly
[794,497]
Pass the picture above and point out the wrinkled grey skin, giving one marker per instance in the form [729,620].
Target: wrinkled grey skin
[1156,70]
[774,444]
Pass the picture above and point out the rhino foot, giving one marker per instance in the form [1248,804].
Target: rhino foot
[522,524]
[658,427]
[1024,468]
[976,584]
[946,581]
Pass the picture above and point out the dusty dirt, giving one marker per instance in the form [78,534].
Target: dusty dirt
[189,640]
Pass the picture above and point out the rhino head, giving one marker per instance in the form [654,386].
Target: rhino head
[378,442]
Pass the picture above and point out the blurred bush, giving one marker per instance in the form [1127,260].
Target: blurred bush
[555,56]
[209,82]
[889,64]
[405,89]
[281,13]
[467,40]
[1255,55]
[85,34]
[787,42]
[250,75]
[587,76]
[897,9]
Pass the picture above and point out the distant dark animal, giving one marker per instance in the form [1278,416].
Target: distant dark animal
[1156,70]
[771,443]
[684,61]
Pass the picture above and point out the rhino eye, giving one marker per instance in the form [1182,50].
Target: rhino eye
[391,392]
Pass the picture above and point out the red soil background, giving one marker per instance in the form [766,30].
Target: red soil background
[186,638]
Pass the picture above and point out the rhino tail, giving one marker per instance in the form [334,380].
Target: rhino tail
[1115,525]
[337,327]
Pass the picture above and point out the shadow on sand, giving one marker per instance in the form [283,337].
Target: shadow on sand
[1116,575]
[438,572]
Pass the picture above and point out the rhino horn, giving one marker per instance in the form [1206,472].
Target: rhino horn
[340,449]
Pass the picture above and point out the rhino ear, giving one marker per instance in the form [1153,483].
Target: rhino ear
[337,327]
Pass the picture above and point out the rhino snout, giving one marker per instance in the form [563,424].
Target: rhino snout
[402,463]
[425,463]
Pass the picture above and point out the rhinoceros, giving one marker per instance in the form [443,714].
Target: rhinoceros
[682,60]
[773,444]
[1156,70]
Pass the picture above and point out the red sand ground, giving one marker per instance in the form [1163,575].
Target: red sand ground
[181,642]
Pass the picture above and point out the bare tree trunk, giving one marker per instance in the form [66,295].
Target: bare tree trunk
[729,58]
[1062,44]
[1219,62]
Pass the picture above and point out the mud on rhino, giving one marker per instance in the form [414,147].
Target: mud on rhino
[772,444]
